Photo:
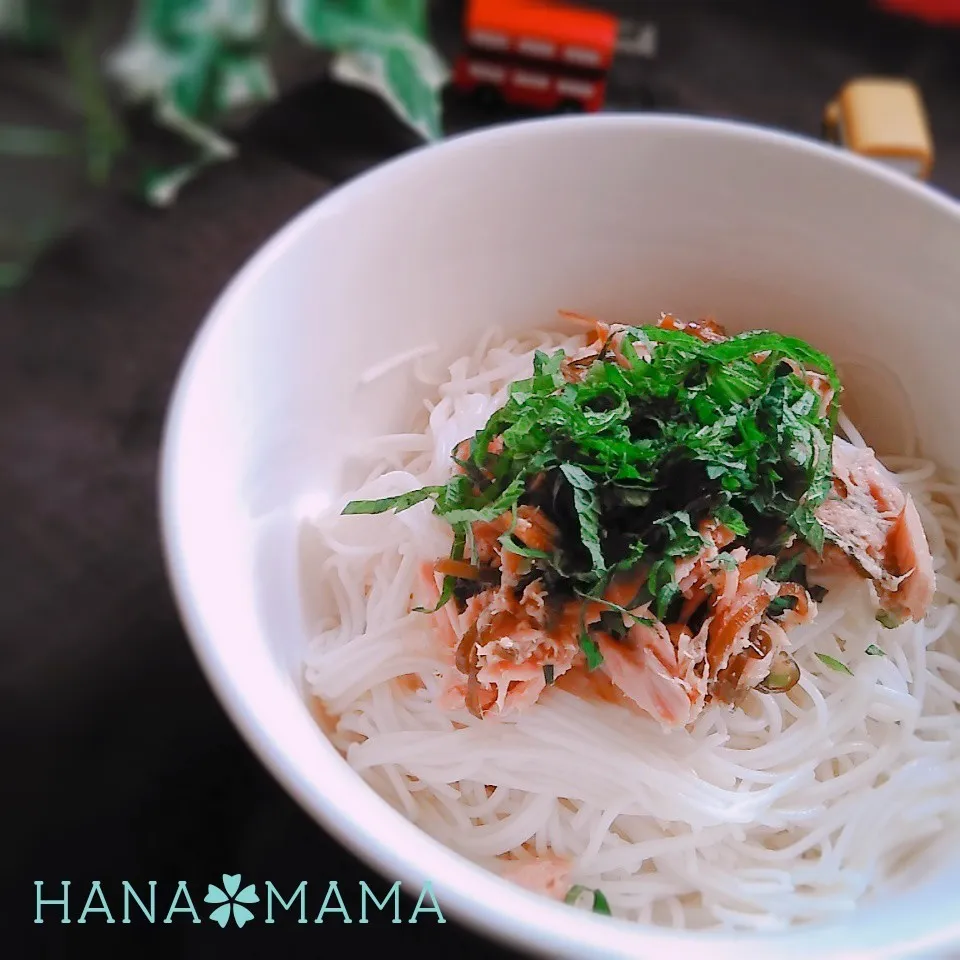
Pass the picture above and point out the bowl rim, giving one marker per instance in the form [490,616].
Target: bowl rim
[533,925]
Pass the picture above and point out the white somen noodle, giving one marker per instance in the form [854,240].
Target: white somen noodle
[791,810]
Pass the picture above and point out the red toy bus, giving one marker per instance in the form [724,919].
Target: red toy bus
[537,54]
[938,12]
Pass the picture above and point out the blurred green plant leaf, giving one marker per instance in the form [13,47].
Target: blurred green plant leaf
[106,135]
[21,245]
[30,23]
[195,61]
[63,135]
[194,65]
[383,47]
[17,140]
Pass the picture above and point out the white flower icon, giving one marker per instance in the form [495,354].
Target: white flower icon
[231,901]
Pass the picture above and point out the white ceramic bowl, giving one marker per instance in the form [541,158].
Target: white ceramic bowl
[621,216]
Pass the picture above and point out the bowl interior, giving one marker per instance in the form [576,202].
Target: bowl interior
[617,217]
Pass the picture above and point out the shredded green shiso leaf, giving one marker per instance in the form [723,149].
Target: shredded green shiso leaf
[630,460]
[600,904]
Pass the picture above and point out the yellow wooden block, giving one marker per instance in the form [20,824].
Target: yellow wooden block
[884,119]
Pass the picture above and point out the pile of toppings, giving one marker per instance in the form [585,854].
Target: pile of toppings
[640,517]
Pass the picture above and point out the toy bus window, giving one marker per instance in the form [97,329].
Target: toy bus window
[487,71]
[574,88]
[490,39]
[537,48]
[582,55]
[532,81]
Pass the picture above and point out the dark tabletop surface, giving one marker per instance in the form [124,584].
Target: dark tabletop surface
[118,762]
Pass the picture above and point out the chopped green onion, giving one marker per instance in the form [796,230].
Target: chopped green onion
[600,904]
[834,664]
